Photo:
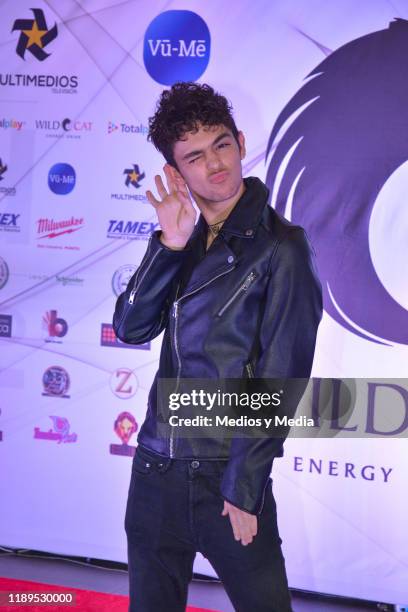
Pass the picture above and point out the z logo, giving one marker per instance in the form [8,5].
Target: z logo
[124,383]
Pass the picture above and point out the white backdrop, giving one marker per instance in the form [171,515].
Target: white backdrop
[69,203]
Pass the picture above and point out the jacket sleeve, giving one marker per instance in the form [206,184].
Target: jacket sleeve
[287,339]
[141,311]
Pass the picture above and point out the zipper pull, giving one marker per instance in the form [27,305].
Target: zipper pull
[175,310]
[248,281]
[132,296]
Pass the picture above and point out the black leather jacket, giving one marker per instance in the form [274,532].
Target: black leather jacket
[249,306]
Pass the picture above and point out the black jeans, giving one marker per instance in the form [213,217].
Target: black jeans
[173,510]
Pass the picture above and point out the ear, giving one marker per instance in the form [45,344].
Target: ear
[241,140]
[176,176]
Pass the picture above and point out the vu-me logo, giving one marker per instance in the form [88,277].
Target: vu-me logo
[196,48]
[55,326]
[61,179]
[176,47]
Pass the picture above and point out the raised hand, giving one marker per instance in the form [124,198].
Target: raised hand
[175,210]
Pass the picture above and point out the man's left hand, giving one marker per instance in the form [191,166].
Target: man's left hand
[244,525]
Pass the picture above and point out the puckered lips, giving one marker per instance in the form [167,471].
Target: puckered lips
[218,177]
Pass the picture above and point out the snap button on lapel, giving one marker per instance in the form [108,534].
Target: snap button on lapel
[230,258]
[249,232]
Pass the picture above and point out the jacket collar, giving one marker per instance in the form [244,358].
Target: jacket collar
[246,214]
[242,221]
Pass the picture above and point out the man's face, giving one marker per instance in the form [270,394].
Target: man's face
[209,161]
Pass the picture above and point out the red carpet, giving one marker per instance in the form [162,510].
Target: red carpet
[86,601]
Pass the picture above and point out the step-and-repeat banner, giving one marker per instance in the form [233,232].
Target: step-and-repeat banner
[321,93]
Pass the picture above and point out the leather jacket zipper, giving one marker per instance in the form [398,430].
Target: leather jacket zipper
[176,347]
[137,281]
[249,370]
[249,279]
[175,314]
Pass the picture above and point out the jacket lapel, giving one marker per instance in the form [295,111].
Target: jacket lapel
[203,267]
[218,260]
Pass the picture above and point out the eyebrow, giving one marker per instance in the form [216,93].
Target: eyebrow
[198,151]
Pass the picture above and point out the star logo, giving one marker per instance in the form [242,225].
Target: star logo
[34,36]
[133,176]
[3,169]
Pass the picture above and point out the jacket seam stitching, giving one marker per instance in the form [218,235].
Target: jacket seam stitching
[278,244]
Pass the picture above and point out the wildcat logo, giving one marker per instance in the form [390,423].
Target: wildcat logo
[72,129]
[34,36]
[329,175]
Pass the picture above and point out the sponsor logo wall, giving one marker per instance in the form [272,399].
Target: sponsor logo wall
[77,89]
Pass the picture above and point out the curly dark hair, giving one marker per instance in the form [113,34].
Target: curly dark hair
[183,108]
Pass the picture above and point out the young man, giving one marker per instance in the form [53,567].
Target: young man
[238,297]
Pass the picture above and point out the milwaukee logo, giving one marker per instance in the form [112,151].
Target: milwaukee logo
[50,228]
